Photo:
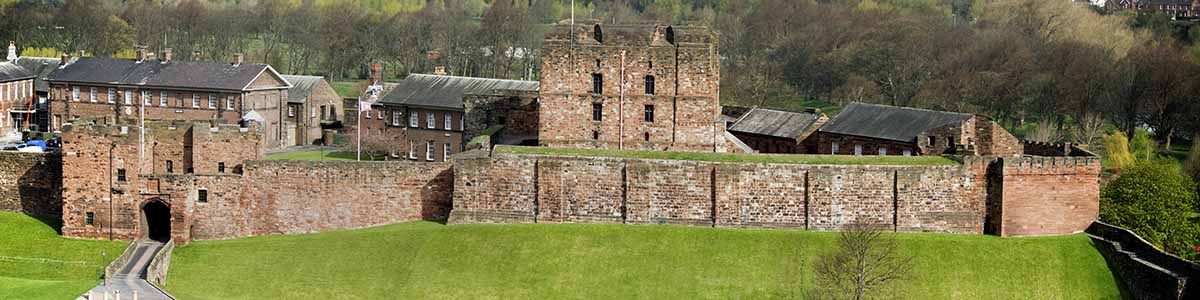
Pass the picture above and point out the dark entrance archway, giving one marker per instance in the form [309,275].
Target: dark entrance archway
[158,220]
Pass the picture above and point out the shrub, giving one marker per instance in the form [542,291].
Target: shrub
[1155,200]
[1143,145]
[1116,147]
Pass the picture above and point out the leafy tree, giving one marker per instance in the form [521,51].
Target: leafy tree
[1116,147]
[1155,200]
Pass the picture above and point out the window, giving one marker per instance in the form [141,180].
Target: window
[412,120]
[646,136]
[112,95]
[597,111]
[367,114]
[597,83]
[313,112]
[649,113]
[121,175]
[229,102]
[221,167]
[932,141]
[595,135]
[380,115]
[412,150]
[212,101]
[835,149]
[170,167]
[597,34]
[147,98]
[649,84]
[128,97]
[75,94]
[323,113]
[396,118]
[445,151]
[429,121]
[429,151]
[950,142]
[292,111]
[90,219]
[857,150]
[202,196]
[92,95]
[162,99]
[882,151]
[447,121]
[195,100]
[907,152]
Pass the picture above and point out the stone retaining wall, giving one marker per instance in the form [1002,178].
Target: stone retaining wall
[1144,271]
[516,188]
[31,183]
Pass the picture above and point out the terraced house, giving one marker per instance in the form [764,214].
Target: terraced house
[166,89]
[17,97]
[421,117]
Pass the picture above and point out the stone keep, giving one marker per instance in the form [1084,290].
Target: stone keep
[638,87]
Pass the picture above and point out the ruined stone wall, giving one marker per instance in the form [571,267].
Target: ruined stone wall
[994,140]
[516,111]
[30,183]
[554,189]
[1048,195]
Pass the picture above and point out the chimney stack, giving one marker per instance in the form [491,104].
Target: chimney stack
[376,73]
[12,50]
[166,56]
[66,57]
[237,59]
[141,54]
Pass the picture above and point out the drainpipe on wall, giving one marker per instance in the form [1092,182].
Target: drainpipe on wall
[111,148]
[621,106]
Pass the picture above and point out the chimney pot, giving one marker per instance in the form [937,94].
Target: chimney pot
[12,50]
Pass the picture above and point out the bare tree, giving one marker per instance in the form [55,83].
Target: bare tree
[866,261]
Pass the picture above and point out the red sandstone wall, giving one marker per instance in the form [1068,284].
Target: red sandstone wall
[30,183]
[554,189]
[1048,195]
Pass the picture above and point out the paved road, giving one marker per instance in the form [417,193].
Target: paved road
[132,277]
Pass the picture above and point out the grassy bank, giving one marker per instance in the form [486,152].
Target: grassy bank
[36,263]
[431,261]
[745,158]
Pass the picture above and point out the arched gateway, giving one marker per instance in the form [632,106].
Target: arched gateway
[157,220]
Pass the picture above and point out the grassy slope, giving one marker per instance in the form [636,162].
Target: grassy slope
[347,89]
[427,260]
[752,158]
[36,263]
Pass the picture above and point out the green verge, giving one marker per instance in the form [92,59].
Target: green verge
[347,89]
[37,263]
[425,260]
[738,158]
[490,131]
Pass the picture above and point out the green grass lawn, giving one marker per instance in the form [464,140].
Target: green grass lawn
[347,89]
[749,158]
[36,263]
[425,260]
[318,155]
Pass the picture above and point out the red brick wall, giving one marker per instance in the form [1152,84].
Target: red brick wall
[1048,195]
[638,191]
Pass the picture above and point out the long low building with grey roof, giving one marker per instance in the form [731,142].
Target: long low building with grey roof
[873,129]
[164,89]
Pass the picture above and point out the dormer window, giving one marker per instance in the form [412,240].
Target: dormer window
[597,34]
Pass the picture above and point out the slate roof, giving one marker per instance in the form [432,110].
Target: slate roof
[40,67]
[302,87]
[10,71]
[176,74]
[889,122]
[447,91]
[776,123]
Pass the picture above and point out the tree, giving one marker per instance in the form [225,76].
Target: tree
[1116,147]
[1155,200]
[865,261]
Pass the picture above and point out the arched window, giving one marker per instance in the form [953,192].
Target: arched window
[649,84]
[597,34]
[671,35]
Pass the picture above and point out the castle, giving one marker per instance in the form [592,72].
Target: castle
[603,87]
